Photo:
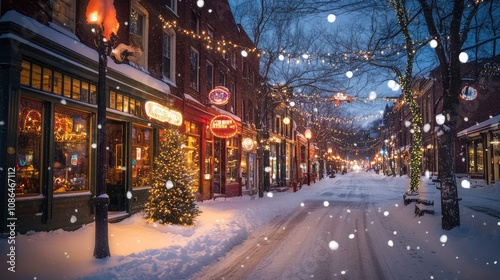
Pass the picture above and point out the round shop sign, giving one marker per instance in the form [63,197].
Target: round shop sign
[468,93]
[219,95]
[247,144]
[223,126]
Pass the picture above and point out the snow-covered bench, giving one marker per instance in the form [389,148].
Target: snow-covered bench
[425,199]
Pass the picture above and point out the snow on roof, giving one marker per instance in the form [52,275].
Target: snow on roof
[492,123]
[72,43]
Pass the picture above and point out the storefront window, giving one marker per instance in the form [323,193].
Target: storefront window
[232,160]
[29,147]
[480,159]
[142,146]
[475,156]
[192,150]
[71,150]
[471,158]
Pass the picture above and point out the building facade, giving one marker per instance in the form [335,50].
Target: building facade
[168,57]
[476,147]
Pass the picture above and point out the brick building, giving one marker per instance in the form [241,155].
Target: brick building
[168,57]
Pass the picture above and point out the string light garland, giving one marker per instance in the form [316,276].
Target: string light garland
[332,58]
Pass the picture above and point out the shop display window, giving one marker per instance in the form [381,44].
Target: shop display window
[29,147]
[193,150]
[71,150]
[142,147]
[232,160]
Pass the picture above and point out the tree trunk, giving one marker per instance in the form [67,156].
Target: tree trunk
[450,213]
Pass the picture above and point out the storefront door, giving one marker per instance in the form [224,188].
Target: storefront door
[116,165]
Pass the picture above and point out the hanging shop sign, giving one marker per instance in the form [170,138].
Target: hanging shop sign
[223,126]
[468,93]
[219,95]
[247,144]
[161,113]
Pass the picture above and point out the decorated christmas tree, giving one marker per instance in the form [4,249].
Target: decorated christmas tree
[171,198]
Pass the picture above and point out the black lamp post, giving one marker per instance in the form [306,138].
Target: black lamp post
[308,137]
[98,19]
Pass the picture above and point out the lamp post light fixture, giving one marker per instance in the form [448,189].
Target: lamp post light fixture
[102,17]
[308,137]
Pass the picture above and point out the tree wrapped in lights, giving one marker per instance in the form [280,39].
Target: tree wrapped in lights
[171,198]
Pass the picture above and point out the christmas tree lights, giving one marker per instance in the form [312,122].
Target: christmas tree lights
[171,198]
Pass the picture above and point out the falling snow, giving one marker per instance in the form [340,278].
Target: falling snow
[150,251]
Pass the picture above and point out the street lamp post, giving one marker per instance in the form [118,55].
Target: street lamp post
[308,137]
[102,18]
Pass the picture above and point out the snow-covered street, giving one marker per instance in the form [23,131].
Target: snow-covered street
[354,226]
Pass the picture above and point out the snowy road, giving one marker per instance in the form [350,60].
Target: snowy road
[351,229]
[298,246]
[287,235]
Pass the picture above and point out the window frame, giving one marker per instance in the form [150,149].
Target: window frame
[194,76]
[171,35]
[145,34]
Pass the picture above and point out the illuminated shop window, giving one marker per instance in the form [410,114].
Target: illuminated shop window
[232,160]
[142,147]
[71,150]
[193,150]
[29,147]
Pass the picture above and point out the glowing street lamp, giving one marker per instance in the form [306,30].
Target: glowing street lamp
[308,137]
[101,15]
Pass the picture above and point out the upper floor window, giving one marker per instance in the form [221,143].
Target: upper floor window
[172,5]
[195,25]
[232,100]
[63,12]
[210,76]
[233,59]
[222,79]
[194,59]
[168,57]
[138,27]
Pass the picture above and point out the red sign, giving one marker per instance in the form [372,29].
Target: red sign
[219,96]
[223,126]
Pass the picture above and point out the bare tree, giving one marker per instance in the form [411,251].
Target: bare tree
[449,23]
